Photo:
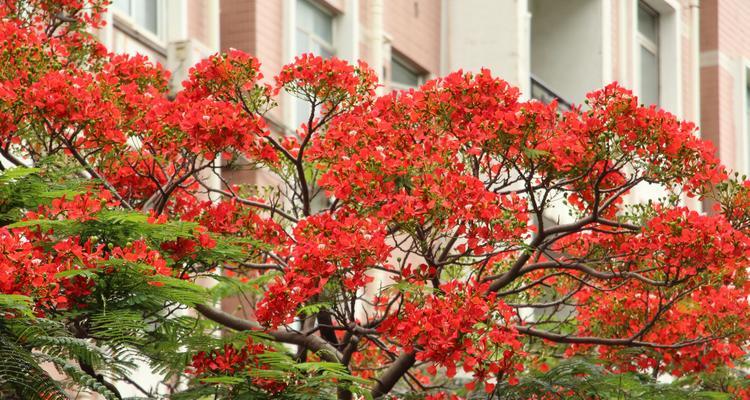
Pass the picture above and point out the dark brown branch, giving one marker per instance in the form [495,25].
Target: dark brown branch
[312,342]
[255,204]
[262,267]
[325,322]
[87,368]
[591,272]
[10,157]
[388,379]
[632,342]
[93,172]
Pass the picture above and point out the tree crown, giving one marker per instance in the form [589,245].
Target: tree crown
[402,237]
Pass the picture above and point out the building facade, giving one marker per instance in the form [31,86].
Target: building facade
[546,47]
[174,33]
[691,57]
[399,39]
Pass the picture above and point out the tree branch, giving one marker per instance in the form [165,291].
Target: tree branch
[93,172]
[312,342]
[396,371]
[560,338]
[255,204]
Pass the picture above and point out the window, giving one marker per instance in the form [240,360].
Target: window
[648,43]
[403,75]
[314,34]
[314,30]
[145,13]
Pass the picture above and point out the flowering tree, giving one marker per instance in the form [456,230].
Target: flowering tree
[449,240]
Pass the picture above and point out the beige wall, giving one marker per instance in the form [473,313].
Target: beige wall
[412,28]
[269,35]
[564,52]
[452,34]
[492,34]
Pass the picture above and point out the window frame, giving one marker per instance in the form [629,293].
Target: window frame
[127,23]
[650,46]
[296,116]
[742,112]
[409,66]
[312,37]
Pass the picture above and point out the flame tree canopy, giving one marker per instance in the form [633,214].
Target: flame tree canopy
[445,241]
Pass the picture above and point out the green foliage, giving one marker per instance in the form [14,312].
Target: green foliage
[133,315]
[23,189]
[21,377]
[586,379]
[26,342]
[16,303]
[117,227]
[227,287]
[304,381]
[721,379]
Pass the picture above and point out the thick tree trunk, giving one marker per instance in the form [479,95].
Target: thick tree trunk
[391,376]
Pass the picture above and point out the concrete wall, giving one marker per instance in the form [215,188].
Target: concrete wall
[269,35]
[489,33]
[566,52]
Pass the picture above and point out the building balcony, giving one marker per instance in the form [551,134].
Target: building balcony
[542,92]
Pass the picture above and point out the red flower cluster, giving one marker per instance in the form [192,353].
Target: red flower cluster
[82,207]
[459,325]
[408,161]
[229,76]
[23,272]
[30,269]
[216,113]
[700,261]
[331,83]
[327,246]
[33,257]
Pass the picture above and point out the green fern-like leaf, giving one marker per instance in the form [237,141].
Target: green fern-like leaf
[21,376]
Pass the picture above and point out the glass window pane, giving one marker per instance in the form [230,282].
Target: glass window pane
[323,26]
[316,48]
[325,53]
[304,15]
[319,49]
[122,5]
[302,42]
[313,20]
[403,75]
[648,23]
[649,77]
[144,13]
